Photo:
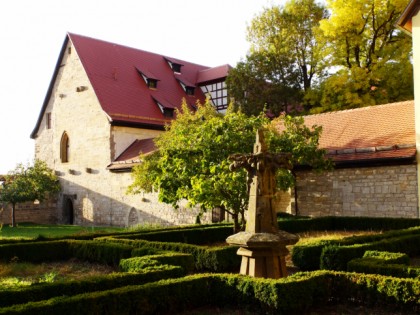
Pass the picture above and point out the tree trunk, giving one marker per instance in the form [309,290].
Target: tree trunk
[13,215]
[236,226]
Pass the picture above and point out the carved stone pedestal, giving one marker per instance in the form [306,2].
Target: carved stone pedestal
[263,254]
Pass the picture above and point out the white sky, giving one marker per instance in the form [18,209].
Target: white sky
[207,32]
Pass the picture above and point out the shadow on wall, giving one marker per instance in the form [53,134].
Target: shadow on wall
[82,206]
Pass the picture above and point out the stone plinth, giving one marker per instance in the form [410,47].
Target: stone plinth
[263,254]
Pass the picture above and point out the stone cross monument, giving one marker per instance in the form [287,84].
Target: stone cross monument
[262,245]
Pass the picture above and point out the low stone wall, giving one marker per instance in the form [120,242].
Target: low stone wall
[42,213]
[386,191]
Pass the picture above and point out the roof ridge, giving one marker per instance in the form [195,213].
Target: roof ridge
[360,108]
[370,149]
[134,48]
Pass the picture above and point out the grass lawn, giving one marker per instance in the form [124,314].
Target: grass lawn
[32,231]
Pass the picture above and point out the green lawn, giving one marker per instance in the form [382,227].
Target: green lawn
[31,231]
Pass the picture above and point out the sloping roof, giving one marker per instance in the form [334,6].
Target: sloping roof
[130,156]
[405,20]
[113,71]
[213,74]
[381,132]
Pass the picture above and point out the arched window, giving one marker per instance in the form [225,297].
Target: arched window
[64,148]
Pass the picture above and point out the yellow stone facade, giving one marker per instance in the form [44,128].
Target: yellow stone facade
[91,194]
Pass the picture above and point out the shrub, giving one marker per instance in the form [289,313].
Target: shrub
[136,264]
[336,257]
[196,236]
[308,256]
[106,253]
[388,257]
[46,291]
[295,294]
[218,259]
[330,223]
[384,263]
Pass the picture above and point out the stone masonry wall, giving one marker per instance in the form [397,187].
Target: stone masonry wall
[43,212]
[91,194]
[387,191]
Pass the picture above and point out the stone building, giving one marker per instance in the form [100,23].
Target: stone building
[105,104]
[375,172]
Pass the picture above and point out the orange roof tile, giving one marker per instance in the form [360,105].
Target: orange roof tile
[375,132]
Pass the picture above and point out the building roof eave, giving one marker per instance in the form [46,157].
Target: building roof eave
[404,22]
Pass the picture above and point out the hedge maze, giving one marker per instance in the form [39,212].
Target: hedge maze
[174,270]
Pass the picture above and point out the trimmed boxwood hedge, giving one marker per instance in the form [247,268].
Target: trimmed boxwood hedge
[218,259]
[384,263]
[135,264]
[293,224]
[335,257]
[295,294]
[93,251]
[307,257]
[44,291]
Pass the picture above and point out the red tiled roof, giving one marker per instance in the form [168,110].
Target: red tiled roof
[212,74]
[368,133]
[130,156]
[113,71]
[122,93]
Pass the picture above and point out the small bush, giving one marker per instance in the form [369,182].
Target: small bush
[106,253]
[136,264]
[97,283]
[218,259]
[336,257]
[296,294]
[307,257]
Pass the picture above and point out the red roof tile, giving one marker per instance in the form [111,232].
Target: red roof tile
[122,92]
[131,156]
[143,146]
[113,71]
[213,74]
[375,132]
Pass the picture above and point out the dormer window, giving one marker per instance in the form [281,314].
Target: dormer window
[168,112]
[149,78]
[188,87]
[152,83]
[166,108]
[189,90]
[175,66]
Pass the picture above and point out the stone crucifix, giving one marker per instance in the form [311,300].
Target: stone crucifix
[261,167]
[262,245]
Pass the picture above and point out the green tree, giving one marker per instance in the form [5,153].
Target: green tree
[372,57]
[284,60]
[28,183]
[192,159]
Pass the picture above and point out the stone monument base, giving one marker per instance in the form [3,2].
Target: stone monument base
[263,254]
[263,262]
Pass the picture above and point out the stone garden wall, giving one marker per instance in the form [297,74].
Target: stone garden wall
[42,213]
[387,191]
